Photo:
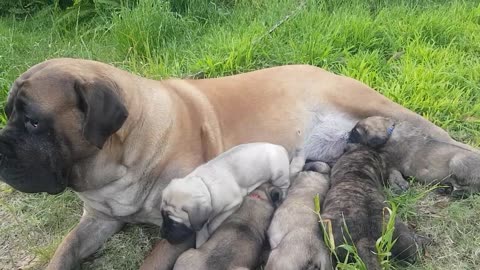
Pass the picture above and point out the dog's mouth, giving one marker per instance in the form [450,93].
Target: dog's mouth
[32,178]
[175,232]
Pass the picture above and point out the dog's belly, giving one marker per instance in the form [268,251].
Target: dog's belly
[326,135]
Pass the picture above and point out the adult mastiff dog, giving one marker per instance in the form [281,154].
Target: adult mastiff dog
[117,139]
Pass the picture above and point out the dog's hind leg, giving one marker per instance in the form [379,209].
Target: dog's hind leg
[366,248]
[397,181]
[297,163]
[322,260]
[314,255]
[408,243]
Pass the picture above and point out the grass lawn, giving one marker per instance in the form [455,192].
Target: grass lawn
[423,54]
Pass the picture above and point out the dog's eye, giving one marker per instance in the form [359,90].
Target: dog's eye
[30,123]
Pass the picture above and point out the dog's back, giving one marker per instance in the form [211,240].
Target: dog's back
[295,232]
[238,242]
[356,199]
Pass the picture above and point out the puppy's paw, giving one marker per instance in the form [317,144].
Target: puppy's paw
[397,182]
[422,242]
[399,188]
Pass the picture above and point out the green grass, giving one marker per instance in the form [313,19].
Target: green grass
[422,54]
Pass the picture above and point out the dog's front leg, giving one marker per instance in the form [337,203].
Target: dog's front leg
[202,236]
[89,235]
[397,181]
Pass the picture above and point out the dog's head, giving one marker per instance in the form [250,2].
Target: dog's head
[59,111]
[186,207]
[372,131]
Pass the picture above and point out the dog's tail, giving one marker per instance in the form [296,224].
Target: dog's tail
[297,163]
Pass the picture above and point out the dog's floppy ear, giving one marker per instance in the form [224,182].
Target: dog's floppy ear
[104,110]
[198,214]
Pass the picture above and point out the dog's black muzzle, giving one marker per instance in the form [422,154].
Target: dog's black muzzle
[173,231]
[354,137]
[28,167]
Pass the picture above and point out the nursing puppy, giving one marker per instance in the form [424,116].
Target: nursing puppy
[239,241]
[202,200]
[294,233]
[411,152]
[356,199]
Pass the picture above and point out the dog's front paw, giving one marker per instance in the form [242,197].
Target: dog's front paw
[397,182]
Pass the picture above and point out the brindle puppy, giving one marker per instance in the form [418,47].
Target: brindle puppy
[411,152]
[356,198]
[238,243]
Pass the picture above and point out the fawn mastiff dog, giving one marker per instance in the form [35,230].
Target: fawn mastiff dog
[117,139]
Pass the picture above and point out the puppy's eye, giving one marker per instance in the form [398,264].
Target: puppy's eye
[31,124]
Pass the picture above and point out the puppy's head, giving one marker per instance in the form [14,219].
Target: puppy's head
[269,193]
[372,131]
[186,207]
[59,112]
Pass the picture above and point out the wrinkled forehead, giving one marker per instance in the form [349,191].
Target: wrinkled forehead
[46,91]
[173,196]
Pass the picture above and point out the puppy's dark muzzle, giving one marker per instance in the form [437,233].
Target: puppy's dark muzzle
[354,137]
[173,231]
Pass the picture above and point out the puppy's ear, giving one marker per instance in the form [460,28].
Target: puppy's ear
[104,110]
[275,195]
[198,214]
